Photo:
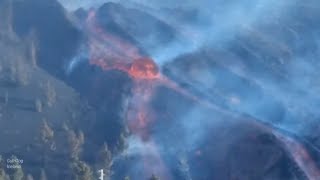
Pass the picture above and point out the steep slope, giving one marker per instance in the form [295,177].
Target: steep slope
[136,26]
[201,118]
[33,103]
[268,68]
[58,39]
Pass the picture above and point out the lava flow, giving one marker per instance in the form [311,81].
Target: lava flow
[110,52]
[113,53]
[144,68]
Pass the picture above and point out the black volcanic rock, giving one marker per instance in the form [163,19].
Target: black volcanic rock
[199,143]
[269,63]
[213,81]
[106,92]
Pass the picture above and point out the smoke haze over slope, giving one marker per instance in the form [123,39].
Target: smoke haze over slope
[182,89]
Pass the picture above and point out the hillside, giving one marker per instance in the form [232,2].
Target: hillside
[41,118]
[159,91]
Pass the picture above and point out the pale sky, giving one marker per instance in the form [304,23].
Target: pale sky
[74,4]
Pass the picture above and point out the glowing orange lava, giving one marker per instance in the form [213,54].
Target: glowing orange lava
[144,68]
[113,53]
[110,52]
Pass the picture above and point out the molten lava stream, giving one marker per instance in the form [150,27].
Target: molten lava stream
[300,156]
[144,68]
[113,53]
[140,117]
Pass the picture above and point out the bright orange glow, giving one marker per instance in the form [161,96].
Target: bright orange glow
[110,52]
[144,68]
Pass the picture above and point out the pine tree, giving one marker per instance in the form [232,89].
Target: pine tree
[2,172]
[18,74]
[75,143]
[33,54]
[29,177]
[22,74]
[38,105]
[104,160]
[49,93]
[47,143]
[46,133]
[122,143]
[17,173]
[43,175]
[81,171]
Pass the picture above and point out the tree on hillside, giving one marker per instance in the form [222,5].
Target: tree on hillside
[22,74]
[122,143]
[43,175]
[38,105]
[18,73]
[75,142]
[2,172]
[184,168]
[104,160]
[81,171]
[17,173]
[49,93]
[29,177]
[46,133]
[47,143]
[32,47]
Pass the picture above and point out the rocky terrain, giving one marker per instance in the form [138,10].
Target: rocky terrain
[153,91]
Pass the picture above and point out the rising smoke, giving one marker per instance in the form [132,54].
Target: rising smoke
[269,68]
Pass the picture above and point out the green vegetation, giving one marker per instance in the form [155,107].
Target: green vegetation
[104,160]
[81,171]
[44,120]
[16,173]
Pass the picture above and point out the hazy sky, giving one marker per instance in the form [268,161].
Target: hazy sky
[74,4]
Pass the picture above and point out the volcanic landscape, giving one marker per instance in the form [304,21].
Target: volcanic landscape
[206,90]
